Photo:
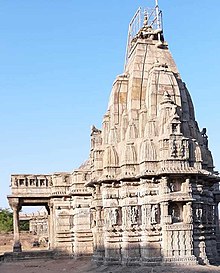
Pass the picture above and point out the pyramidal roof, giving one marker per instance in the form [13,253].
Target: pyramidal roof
[149,127]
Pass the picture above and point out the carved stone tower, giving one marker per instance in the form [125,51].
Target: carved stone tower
[154,189]
[148,193]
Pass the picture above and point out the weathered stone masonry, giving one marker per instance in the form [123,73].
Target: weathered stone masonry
[148,193]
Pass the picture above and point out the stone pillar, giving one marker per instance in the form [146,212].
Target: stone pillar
[50,225]
[165,217]
[100,250]
[166,235]
[216,219]
[188,213]
[15,205]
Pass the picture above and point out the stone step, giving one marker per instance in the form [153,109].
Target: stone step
[28,255]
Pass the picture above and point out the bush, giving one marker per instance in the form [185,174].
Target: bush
[6,220]
[24,225]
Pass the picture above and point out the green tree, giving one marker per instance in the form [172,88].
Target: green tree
[24,225]
[6,220]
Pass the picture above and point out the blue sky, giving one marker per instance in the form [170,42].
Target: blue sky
[58,60]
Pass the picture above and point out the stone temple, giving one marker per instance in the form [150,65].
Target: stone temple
[148,193]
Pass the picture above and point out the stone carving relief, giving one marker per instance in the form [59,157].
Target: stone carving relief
[113,136]
[32,181]
[129,154]
[199,213]
[198,154]
[178,149]
[148,151]
[132,132]
[174,151]
[175,185]
[124,124]
[96,138]
[124,216]
[63,220]
[150,214]
[188,213]
[106,128]
[164,185]
[110,157]
[181,150]
[112,217]
[131,215]
[15,181]
[210,213]
[93,218]
[187,186]
[174,128]
[205,137]
[175,211]
[154,214]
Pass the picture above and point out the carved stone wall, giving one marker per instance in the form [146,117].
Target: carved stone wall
[154,188]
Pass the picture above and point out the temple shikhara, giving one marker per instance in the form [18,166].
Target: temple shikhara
[148,193]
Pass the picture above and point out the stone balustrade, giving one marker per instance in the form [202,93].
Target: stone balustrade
[46,185]
[60,190]
[31,184]
[80,191]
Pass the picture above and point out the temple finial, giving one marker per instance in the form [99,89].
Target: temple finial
[150,18]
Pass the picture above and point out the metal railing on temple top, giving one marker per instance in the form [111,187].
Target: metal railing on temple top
[151,16]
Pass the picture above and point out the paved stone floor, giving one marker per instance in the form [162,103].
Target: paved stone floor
[84,265]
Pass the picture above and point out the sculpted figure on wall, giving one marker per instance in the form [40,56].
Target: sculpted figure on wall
[182,150]
[188,213]
[133,214]
[124,216]
[199,213]
[113,216]
[93,218]
[174,149]
[165,185]
[154,214]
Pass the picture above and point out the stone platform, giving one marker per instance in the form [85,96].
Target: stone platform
[28,255]
[84,265]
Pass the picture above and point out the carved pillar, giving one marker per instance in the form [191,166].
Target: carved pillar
[53,220]
[165,217]
[15,205]
[49,208]
[98,233]
[50,225]
[188,213]
[216,219]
